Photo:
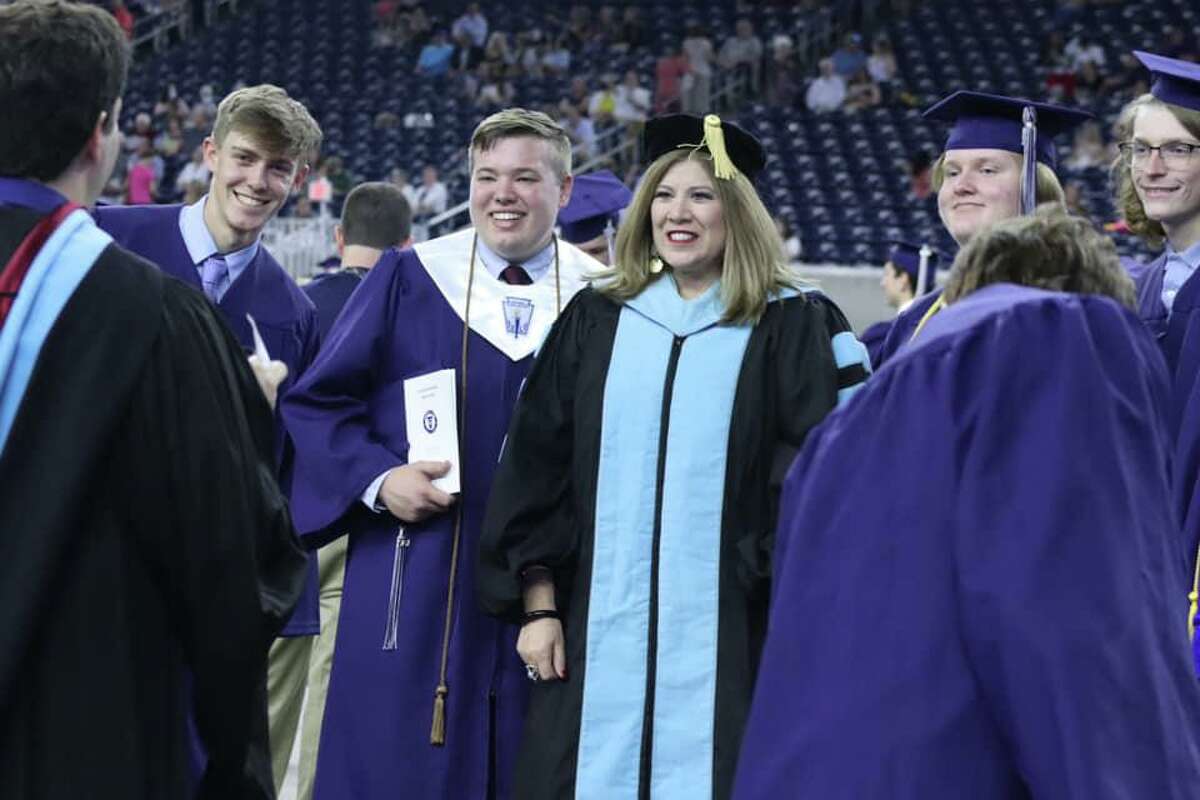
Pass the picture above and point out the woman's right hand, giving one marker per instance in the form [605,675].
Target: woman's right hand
[541,644]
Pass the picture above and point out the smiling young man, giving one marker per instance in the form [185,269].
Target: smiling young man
[1158,179]
[426,692]
[980,176]
[259,152]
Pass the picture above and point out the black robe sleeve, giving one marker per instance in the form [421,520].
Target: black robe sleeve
[217,526]
[530,518]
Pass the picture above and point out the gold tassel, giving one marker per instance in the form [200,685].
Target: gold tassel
[437,734]
[714,140]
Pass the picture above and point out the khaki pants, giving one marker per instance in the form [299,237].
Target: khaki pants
[332,558]
[287,671]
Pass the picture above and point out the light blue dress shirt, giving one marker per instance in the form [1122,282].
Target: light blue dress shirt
[200,244]
[1179,268]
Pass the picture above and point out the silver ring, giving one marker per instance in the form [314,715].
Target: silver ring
[532,672]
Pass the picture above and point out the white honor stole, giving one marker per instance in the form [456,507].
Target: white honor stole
[513,318]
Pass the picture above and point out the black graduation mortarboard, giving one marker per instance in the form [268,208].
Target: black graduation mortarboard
[731,147]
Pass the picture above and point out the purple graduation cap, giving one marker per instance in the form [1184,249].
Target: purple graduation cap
[995,122]
[1173,81]
[907,257]
[596,200]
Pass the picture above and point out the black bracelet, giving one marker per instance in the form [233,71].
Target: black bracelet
[541,613]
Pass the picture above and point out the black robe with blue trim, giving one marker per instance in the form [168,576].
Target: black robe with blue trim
[543,511]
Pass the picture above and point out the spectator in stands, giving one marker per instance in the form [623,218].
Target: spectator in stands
[669,74]
[399,177]
[827,92]
[141,182]
[1060,76]
[169,142]
[429,200]
[602,106]
[434,58]
[472,25]
[579,94]
[920,175]
[783,73]
[862,93]
[495,90]
[1087,147]
[1127,80]
[580,131]
[142,132]
[192,180]
[633,102]
[123,15]
[498,51]
[743,54]
[195,128]
[881,66]
[631,32]
[1084,49]
[696,88]
[207,102]
[849,58]
[557,58]
[1088,82]
[529,53]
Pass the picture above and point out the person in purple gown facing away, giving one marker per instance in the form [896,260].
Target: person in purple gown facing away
[1158,190]
[631,520]
[427,694]
[983,177]
[1011,626]
[259,152]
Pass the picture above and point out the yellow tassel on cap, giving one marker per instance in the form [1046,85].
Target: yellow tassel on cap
[714,140]
[437,734]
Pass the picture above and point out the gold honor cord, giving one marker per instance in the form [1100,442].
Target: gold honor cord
[437,731]
[1194,600]
[937,306]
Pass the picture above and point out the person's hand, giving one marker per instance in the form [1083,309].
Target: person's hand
[542,645]
[408,491]
[270,375]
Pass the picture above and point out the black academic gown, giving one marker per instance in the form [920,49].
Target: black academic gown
[652,664]
[109,554]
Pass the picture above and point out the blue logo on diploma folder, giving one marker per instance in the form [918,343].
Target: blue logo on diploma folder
[429,421]
[517,313]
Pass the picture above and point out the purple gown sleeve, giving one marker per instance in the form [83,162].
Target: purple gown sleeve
[329,412]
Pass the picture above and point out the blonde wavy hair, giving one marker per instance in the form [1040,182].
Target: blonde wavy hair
[1148,230]
[269,116]
[754,265]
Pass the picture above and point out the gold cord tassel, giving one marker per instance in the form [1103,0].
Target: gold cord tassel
[437,733]
[714,140]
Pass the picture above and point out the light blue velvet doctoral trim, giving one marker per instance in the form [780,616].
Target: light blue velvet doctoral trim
[847,351]
[689,546]
[56,272]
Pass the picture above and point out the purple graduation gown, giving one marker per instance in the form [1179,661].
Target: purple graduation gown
[285,317]
[1010,625]
[873,338]
[901,331]
[347,416]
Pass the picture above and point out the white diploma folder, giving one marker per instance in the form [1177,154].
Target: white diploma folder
[431,422]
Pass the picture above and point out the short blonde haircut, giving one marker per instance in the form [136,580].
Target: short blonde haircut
[272,119]
[1049,190]
[1148,230]
[515,122]
[754,265]
[1048,249]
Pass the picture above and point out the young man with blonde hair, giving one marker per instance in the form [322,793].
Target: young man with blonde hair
[259,152]
[427,694]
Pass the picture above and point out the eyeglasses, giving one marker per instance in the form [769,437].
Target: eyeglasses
[1176,155]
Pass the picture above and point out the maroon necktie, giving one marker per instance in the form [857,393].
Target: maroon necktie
[515,275]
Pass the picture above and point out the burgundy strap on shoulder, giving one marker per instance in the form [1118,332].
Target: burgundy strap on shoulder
[15,270]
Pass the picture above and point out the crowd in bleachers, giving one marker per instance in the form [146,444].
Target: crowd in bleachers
[851,157]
